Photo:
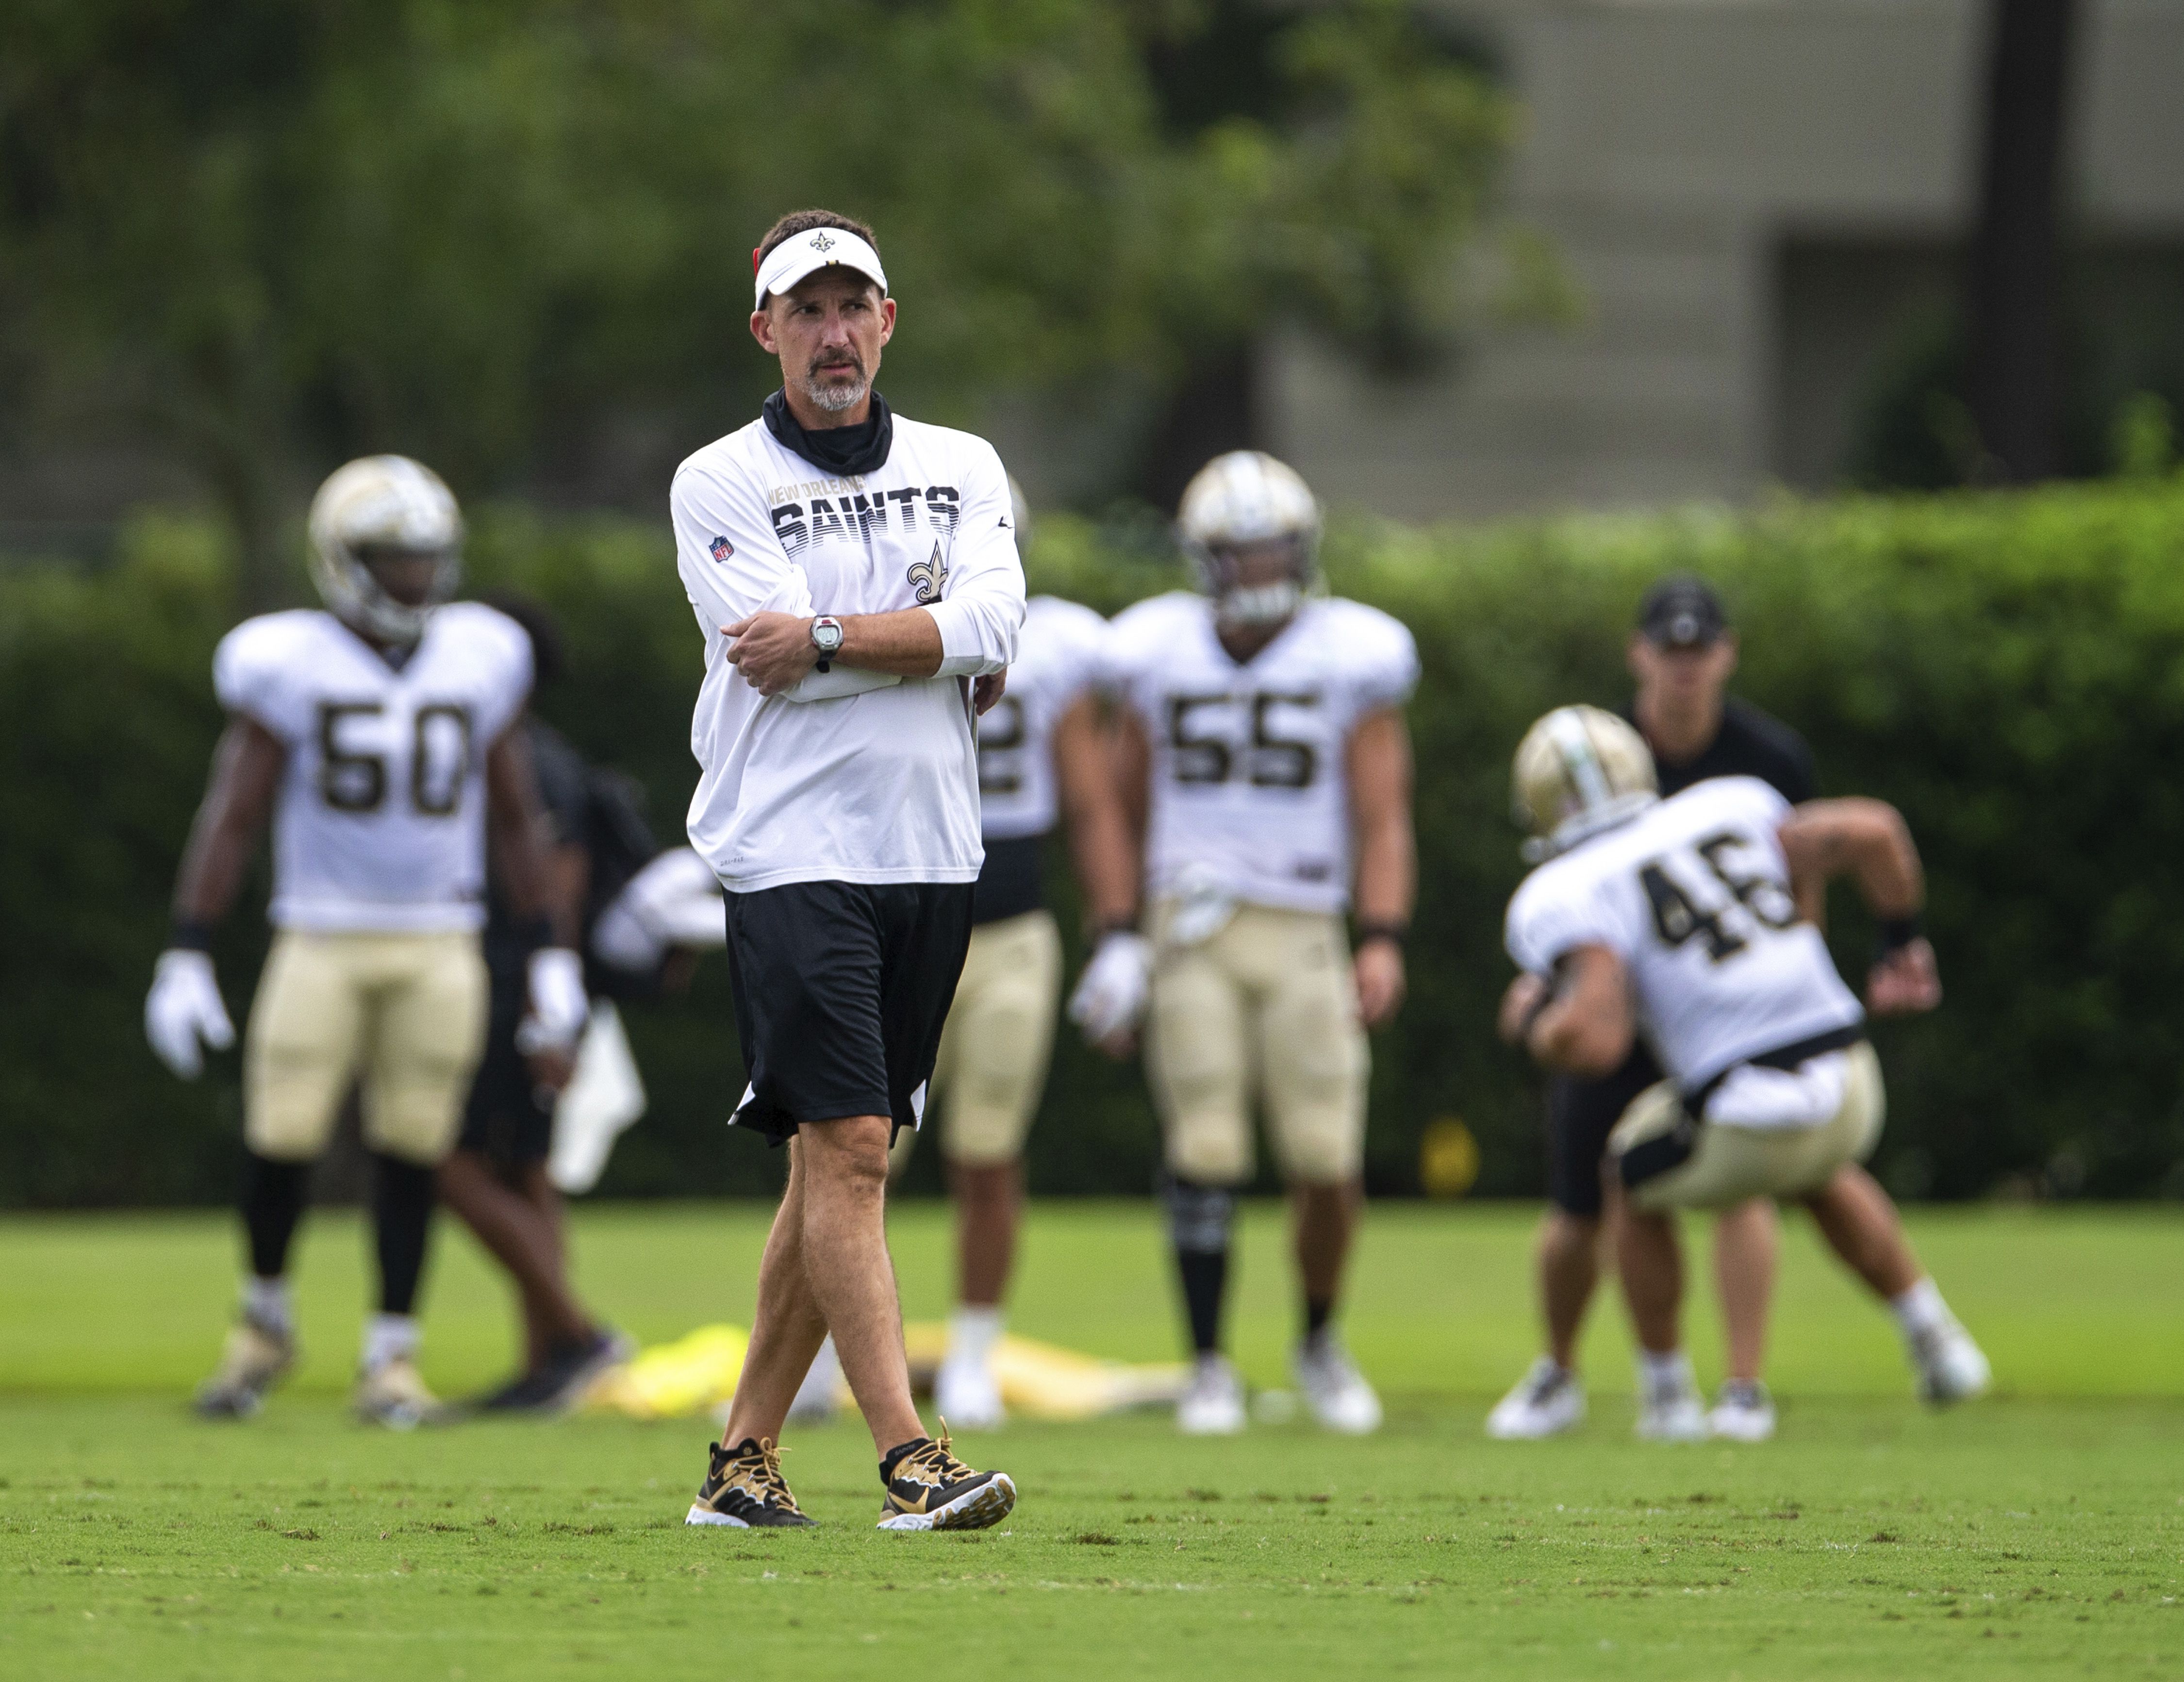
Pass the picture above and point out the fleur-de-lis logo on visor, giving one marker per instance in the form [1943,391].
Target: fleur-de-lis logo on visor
[928,578]
[820,242]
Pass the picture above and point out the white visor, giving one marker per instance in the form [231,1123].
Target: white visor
[806,253]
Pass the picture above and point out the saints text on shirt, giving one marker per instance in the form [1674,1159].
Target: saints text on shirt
[856,516]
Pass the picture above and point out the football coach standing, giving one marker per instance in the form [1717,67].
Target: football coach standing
[855,579]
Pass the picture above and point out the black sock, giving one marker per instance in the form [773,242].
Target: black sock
[401,1212]
[1205,1276]
[273,1194]
[1317,1311]
[1198,1218]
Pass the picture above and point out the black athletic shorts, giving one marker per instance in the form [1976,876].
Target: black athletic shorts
[1581,1115]
[505,1119]
[842,989]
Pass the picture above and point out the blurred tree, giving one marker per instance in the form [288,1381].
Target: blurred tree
[500,233]
[2014,291]
[1355,145]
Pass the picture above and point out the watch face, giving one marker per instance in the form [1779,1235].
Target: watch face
[827,636]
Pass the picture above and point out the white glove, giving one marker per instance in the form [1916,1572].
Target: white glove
[673,901]
[183,1008]
[558,1003]
[1110,996]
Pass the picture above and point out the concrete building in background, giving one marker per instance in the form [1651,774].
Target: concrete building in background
[1760,201]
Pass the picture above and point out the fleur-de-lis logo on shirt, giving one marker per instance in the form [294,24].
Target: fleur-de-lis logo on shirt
[928,578]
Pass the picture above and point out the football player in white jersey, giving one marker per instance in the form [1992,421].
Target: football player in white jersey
[1043,759]
[375,737]
[1675,918]
[1263,756]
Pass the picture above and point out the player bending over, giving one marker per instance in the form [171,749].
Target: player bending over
[1678,914]
[1264,759]
[376,735]
[1682,652]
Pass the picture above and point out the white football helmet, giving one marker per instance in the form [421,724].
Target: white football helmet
[1580,771]
[386,502]
[1247,497]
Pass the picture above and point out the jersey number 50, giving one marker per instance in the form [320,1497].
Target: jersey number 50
[356,781]
[1275,761]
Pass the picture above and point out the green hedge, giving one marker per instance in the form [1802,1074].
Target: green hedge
[2008,668]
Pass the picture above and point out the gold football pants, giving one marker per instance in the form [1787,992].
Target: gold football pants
[1728,1164]
[1265,1008]
[991,1068]
[406,1013]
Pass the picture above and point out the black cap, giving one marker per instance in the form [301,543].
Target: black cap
[1681,611]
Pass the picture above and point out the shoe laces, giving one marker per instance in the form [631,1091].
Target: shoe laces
[935,1458]
[762,1467]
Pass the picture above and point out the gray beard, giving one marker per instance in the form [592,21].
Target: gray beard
[834,399]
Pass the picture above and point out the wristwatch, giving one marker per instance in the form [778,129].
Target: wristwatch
[826,637]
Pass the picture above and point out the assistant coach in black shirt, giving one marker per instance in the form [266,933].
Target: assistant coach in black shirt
[1682,654]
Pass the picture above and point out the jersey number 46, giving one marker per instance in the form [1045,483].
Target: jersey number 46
[1679,913]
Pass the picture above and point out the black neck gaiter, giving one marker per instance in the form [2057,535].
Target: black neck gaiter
[843,451]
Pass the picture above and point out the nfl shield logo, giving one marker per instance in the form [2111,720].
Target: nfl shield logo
[722,549]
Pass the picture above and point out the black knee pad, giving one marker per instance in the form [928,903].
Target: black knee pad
[1198,1216]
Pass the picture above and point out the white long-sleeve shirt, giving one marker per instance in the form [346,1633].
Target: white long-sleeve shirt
[852,776]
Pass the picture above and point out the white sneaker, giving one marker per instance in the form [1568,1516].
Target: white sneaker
[392,1394]
[1743,1413]
[1547,1401]
[254,1360]
[965,1394]
[1671,1413]
[1213,1405]
[815,1399]
[1333,1389]
[1950,1368]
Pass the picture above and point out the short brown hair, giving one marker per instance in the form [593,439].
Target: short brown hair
[802,222]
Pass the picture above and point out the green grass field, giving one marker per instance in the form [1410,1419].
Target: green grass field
[2039,1534]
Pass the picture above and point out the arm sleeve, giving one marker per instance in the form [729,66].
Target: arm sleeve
[733,566]
[982,609]
[1108,662]
[1085,661]
[1543,926]
[1761,801]
[504,701]
[1389,671]
[731,563]
[245,677]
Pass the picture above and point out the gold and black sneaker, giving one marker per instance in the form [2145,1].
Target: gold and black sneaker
[928,1489]
[744,1490]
